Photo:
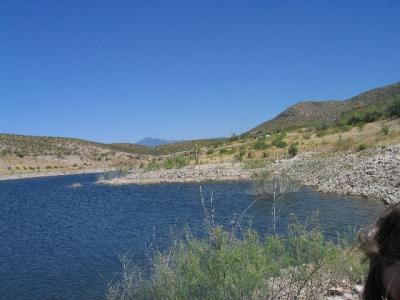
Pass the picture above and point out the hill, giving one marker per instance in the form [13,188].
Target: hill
[34,154]
[310,113]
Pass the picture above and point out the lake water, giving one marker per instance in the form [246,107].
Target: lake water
[63,242]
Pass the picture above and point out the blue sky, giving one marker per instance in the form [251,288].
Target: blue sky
[117,71]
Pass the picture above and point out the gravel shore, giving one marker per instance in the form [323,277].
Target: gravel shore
[198,173]
[374,173]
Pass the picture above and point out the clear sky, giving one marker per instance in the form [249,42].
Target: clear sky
[118,71]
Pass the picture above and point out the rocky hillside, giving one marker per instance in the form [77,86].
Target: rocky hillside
[310,113]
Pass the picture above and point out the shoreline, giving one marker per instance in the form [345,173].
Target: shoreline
[51,174]
[189,174]
[373,173]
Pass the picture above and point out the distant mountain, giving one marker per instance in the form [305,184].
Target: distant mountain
[309,113]
[153,142]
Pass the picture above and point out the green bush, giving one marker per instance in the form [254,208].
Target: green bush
[322,133]
[153,165]
[372,114]
[210,151]
[176,162]
[321,126]
[293,150]
[361,147]
[344,127]
[225,266]
[393,109]
[278,142]
[260,144]
[223,151]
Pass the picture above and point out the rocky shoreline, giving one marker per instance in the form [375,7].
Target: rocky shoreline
[373,173]
[53,173]
[198,173]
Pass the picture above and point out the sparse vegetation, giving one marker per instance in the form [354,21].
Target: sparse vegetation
[384,129]
[240,155]
[260,144]
[393,109]
[153,165]
[227,266]
[293,150]
[176,162]
[361,147]
[278,141]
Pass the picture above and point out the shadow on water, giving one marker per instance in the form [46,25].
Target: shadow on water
[61,236]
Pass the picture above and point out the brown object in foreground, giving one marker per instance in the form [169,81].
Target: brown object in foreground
[382,246]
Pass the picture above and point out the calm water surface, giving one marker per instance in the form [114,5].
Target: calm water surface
[60,242]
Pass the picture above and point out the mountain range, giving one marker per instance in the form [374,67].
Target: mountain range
[154,142]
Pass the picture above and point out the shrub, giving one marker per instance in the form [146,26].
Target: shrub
[210,151]
[153,165]
[176,162]
[19,154]
[372,114]
[293,150]
[393,109]
[240,155]
[384,129]
[234,137]
[225,266]
[355,118]
[307,136]
[278,142]
[322,133]
[321,126]
[260,144]
[361,147]
[344,127]
[223,151]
